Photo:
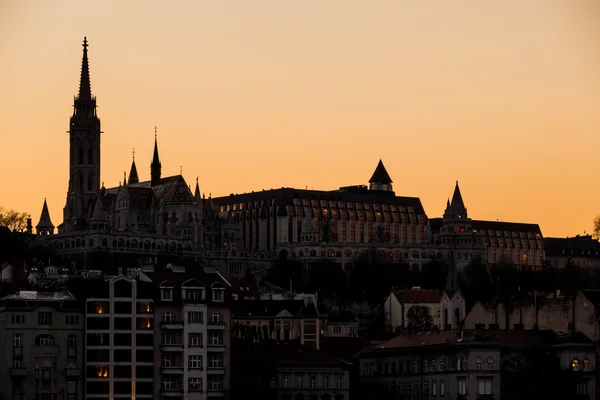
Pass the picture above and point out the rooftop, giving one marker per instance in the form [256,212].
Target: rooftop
[30,295]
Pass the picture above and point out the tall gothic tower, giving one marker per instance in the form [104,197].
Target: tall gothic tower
[84,153]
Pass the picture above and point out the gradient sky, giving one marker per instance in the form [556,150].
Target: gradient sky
[502,95]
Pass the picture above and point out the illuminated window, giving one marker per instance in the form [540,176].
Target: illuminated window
[102,371]
[586,365]
[145,307]
[575,364]
[100,307]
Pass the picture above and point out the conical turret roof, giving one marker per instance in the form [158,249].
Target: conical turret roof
[133,174]
[380,175]
[98,214]
[85,89]
[45,221]
[197,192]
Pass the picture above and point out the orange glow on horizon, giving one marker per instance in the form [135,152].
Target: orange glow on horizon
[503,96]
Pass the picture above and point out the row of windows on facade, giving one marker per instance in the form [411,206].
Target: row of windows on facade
[322,205]
[192,293]
[168,383]
[80,156]
[400,367]
[119,307]
[42,374]
[438,388]
[194,361]
[194,339]
[194,317]
[313,383]
[44,318]
[146,245]
[43,340]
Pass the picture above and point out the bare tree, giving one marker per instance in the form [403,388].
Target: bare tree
[596,233]
[13,220]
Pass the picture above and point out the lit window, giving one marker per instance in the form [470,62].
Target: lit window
[100,309]
[575,364]
[586,364]
[102,371]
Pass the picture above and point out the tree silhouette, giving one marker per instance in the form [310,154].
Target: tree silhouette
[13,220]
[418,319]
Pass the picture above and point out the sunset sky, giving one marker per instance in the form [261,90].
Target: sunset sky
[501,95]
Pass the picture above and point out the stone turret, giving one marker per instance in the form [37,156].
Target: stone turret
[45,227]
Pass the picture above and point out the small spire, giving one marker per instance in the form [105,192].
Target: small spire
[133,152]
[181,170]
[85,90]
[197,192]
[124,178]
[45,224]
[155,167]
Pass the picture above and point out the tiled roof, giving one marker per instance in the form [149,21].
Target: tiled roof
[555,246]
[419,296]
[506,226]
[286,196]
[499,337]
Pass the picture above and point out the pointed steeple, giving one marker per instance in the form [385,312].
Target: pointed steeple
[133,175]
[98,214]
[155,167]
[381,179]
[456,208]
[45,226]
[197,192]
[124,178]
[85,89]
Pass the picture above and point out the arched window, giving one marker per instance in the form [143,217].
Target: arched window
[415,255]
[44,340]
[216,317]
[90,156]
[80,155]
[575,364]
[168,316]
[586,364]
[190,217]
[478,364]
[90,183]
[490,363]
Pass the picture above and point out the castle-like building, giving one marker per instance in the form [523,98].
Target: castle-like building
[161,216]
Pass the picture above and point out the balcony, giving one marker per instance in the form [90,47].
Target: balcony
[18,372]
[171,347]
[218,326]
[171,392]
[175,370]
[216,370]
[171,325]
[72,372]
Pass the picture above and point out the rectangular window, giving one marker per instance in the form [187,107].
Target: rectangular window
[338,382]
[194,294]
[484,386]
[216,361]
[286,382]
[71,341]
[44,318]
[462,386]
[195,317]
[313,382]
[72,319]
[216,338]
[18,318]
[195,340]
[168,338]
[168,383]
[166,294]
[167,361]
[215,383]
[195,384]
[298,382]
[17,340]
[434,388]
[195,362]
[218,295]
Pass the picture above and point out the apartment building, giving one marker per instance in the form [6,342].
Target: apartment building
[192,334]
[119,340]
[481,365]
[41,339]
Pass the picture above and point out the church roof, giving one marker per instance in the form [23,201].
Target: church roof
[380,175]
[45,221]
[167,191]
[85,89]
[98,214]
[133,175]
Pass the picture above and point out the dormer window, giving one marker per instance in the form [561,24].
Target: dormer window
[193,291]
[218,293]
[166,291]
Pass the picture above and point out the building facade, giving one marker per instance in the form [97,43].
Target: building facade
[580,251]
[42,352]
[119,345]
[192,334]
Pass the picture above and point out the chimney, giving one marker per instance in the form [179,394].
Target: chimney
[29,226]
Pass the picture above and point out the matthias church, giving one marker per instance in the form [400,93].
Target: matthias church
[140,221]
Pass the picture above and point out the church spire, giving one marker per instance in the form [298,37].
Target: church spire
[133,175]
[456,208]
[155,167]
[85,89]
[45,226]
[197,192]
